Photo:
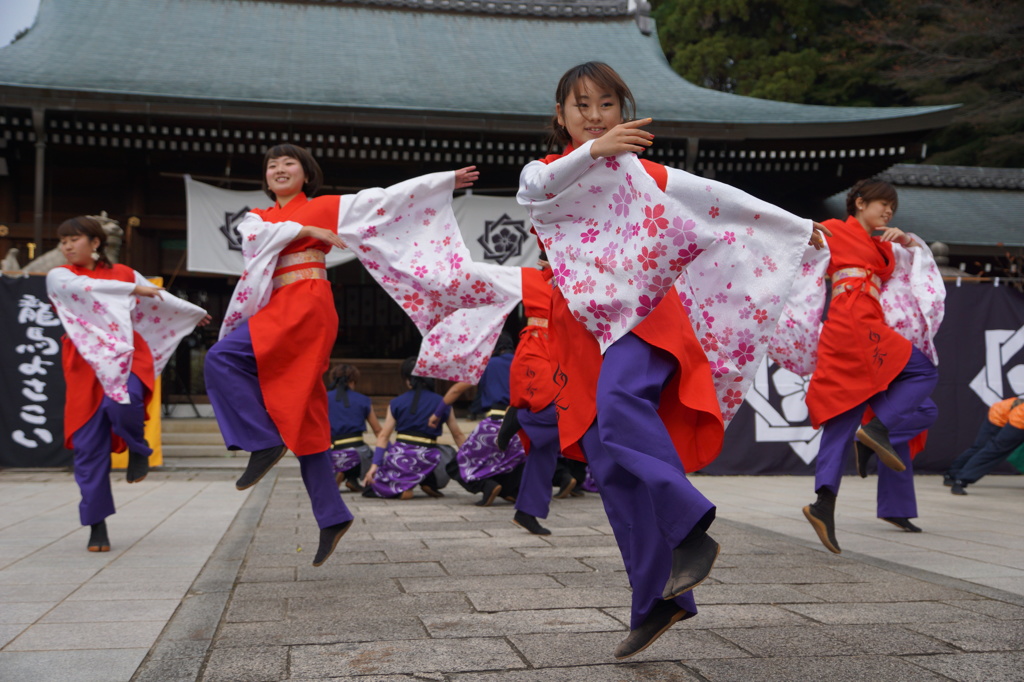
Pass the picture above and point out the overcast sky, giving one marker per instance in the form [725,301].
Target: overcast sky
[14,16]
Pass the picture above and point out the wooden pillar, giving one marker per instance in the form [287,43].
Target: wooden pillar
[38,124]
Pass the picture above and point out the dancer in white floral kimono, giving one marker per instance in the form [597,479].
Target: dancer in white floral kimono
[120,332]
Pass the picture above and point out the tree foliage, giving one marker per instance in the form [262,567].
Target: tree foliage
[866,53]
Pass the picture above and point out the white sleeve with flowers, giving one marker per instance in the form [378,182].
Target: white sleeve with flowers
[163,322]
[261,243]
[408,239]
[617,244]
[100,317]
[795,342]
[914,297]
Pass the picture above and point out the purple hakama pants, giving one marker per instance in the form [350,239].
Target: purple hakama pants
[651,504]
[92,446]
[902,408]
[535,487]
[232,382]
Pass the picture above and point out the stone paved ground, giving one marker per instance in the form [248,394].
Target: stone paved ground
[442,590]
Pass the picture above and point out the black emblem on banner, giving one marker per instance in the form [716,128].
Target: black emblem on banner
[229,228]
[502,239]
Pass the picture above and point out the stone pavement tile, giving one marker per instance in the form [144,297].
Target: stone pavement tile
[561,531]
[604,563]
[399,554]
[345,554]
[153,574]
[898,589]
[369,572]
[1014,584]
[589,648]
[831,668]
[184,669]
[517,622]
[314,588]
[888,640]
[376,606]
[578,552]
[730,615]
[899,612]
[132,591]
[995,609]
[253,664]
[992,635]
[100,665]
[479,583]
[504,567]
[255,610]
[514,540]
[67,636]
[753,594]
[403,657]
[780,575]
[24,612]
[560,598]
[9,631]
[964,568]
[621,672]
[34,574]
[275,574]
[385,537]
[321,628]
[112,612]
[51,593]
[789,641]
[594,540]
[1007,667]
[600,579]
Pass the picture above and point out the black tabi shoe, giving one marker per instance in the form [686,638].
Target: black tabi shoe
[329,538]
[430,491]
[509,427]
[98,540]
[663,616]
[902,523]
[947,480]
[862,455]
[566,487]
[260,462]
[958,487]
[353,485]
[876,436]
[138,466]
[491,490]
[822,514]
[530,523]
[691,564]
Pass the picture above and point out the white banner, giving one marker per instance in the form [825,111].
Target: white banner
[213,215]
[496,230]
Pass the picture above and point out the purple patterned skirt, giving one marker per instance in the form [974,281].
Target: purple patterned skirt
[405,465]
[344,459]
[480,457]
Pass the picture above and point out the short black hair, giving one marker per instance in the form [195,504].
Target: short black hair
[314,176]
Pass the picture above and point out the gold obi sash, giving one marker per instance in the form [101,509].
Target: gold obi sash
[856,280]
[293,267]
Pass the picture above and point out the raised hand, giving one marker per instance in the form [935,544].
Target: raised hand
[817,240]
[320,234]
[625,137]
[147,290]
[465,177]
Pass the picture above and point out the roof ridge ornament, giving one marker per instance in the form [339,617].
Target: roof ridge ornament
[641,10]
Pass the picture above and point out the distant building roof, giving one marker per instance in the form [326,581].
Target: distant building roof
[492,63]
[955,204]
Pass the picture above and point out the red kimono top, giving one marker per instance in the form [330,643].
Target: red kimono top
[689,406]
[293,335]
[83,392]
[858,353]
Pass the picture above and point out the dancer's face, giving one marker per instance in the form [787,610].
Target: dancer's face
[78,248]
[874,214]
[285,176]
[590,114]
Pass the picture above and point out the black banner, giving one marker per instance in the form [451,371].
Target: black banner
[31,378]
[981,360]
